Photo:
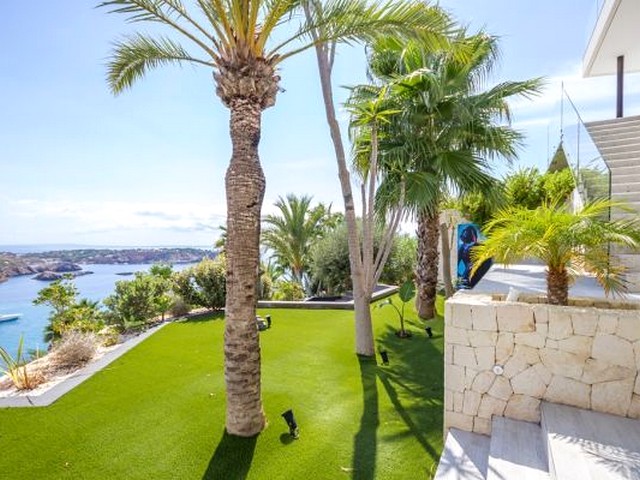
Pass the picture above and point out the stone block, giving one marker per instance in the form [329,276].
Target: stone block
[612,397]
[485,357]
[501,389]
[464,356]
[636,351]
[614,350]
[598,371]
[448,354]
[484,318]
[448,313]
[634,408]
[530,354]
[504,347]
[448,399]
[532,339]
[454,378]
[459,421]
[607,323]
[490,406]
[457,336]
[482,339]
[471,403]
[483,381]
[515,318]
[542,329]
[560,326]
[529,383]
[541,313]
[636,388]
[629,328]
[543,372]
[578,345]
[462,316]
[458,401]
[585,323]
[562,363]
[569,392]
[469,376]
[551,344]
[523,407]
[482,426]
[516,364]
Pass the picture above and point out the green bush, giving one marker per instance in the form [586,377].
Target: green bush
[529,188]
[288,290]
[401,264]
[204,285]
[134,302]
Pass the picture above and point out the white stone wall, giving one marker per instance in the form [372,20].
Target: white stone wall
[578,355]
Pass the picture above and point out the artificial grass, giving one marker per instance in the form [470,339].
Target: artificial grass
[158,411]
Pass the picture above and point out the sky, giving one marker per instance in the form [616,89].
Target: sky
[81,166]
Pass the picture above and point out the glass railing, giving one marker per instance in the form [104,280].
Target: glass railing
[591,172]
[594,14]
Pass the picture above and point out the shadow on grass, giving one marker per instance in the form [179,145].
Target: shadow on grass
[413,381]
[232,458]
[365,441]
[204,317]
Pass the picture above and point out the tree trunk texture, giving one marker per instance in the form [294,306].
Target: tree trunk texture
[364,328]
[245,185]
[558,286]
[446,261]
[427,267]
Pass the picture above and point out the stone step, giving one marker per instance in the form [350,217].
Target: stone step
[631,148]
[605,142]
[621,171]
[517,451]
[464,457]
[617,161]
[586,445]
[612,134]
[614,121]
[626,178]
[629,197]
[625,187]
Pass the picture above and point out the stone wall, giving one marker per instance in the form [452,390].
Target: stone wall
[504,358]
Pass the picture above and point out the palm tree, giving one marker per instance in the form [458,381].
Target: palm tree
[291,234]
[243,42]
[566,242]
[449,130]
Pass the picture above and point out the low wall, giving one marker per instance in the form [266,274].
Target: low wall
[504,358]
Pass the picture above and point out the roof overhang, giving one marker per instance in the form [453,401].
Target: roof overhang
[617,32]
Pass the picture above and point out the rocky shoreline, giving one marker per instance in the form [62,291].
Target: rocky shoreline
[53,265]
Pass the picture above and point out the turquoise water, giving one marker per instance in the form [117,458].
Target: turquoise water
[17,294]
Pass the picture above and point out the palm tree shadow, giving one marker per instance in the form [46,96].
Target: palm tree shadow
[365,441]
[232,458]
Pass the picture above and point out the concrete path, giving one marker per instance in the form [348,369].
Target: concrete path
[57,391]
[531,279]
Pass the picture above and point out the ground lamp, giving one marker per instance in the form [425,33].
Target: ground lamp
[268,317]
[291,422]
[429,332]
[385,357]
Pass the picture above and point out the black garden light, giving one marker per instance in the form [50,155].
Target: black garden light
[268,317]
[385,357]
[429,332]
[291,422]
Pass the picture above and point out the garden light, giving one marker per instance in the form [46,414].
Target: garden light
[429,332]
[291,422]
[385,357]
[268,317]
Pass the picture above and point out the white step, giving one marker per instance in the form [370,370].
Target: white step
[517,451]
[614,121]
[464,457]
[625,187]
[585,445]
[628,178]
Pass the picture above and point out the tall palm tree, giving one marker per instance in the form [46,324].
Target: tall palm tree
[566,242]
[243,42]
[450,128]
[291,233]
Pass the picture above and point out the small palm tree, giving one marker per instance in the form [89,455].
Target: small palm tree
[566,242]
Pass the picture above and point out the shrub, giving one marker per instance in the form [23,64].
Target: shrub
[179,308]
[136,301]
[204,285]
[288,290]
[23,376]
[109,336]
[73,350]
[401,264]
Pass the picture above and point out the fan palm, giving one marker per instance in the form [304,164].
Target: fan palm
[243,42]
[566,242]
[449,130]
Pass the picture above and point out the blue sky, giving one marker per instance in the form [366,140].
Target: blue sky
[81,166]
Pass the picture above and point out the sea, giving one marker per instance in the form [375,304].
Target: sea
[17,295]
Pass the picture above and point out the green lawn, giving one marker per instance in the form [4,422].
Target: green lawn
[158,411]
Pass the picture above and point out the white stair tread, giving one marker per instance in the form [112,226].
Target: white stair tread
[464,456]
[586,445]
[517,451]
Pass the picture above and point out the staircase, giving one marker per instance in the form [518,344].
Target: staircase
[569,444]
[619,144]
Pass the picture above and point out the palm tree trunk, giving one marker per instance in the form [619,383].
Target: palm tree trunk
[245,185]
[446,261]
[558,286]
[427,267]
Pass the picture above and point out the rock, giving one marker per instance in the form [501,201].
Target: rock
[456,335]
[454,378]
[490,406]
[471,402]
[458,420]
[613,350]
[462,316]
[578,345]
[568,392]
[515,318]
[612,397]
[584,323]
[562,363]
[517,363]
[501,389]
[464,356]
[523,407]
[629,327]
[541,314]
[597,371]
[532,339]
[529,383]
[543,372]
[504,347]
[607,323]
[484,318]
[560,326]
[483,381]
[634,407]
[482,426]
[47,276]
[485,357]
[482,338]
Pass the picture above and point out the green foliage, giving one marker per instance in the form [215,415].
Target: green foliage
[557,186]
[529,188]
[67,312]
[405,294]
[401,264]
[17,370]
[204,285]
[288,290]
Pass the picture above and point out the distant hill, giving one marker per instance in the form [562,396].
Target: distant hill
[12,264]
